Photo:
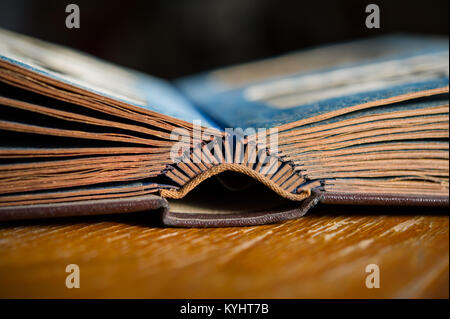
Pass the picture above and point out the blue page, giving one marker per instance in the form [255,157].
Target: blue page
[303,84]
[92,74]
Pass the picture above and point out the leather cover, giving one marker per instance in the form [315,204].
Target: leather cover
[84,208]
[158,204]
[266,217]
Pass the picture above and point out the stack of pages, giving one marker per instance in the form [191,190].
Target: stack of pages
[363,122]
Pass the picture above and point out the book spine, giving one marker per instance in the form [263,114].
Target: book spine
[239,155]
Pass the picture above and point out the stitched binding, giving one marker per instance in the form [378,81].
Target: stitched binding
[203,162]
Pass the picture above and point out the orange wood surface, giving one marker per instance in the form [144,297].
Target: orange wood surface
[322,255]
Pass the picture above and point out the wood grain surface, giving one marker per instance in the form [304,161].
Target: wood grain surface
[323,255]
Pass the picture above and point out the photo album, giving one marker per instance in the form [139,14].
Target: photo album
[364,122]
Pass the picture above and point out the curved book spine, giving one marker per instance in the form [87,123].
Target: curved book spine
[246,157]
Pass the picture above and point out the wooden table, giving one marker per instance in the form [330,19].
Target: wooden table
[323,255]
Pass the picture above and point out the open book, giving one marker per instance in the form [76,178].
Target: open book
[363,122]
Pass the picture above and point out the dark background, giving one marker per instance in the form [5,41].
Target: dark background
[169,38]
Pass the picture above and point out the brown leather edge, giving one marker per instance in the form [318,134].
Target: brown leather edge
[85,208]
[153,202]
[233,220]
[373,199]
[268,217]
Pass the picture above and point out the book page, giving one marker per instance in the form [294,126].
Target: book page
[312,82]
[90,73]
